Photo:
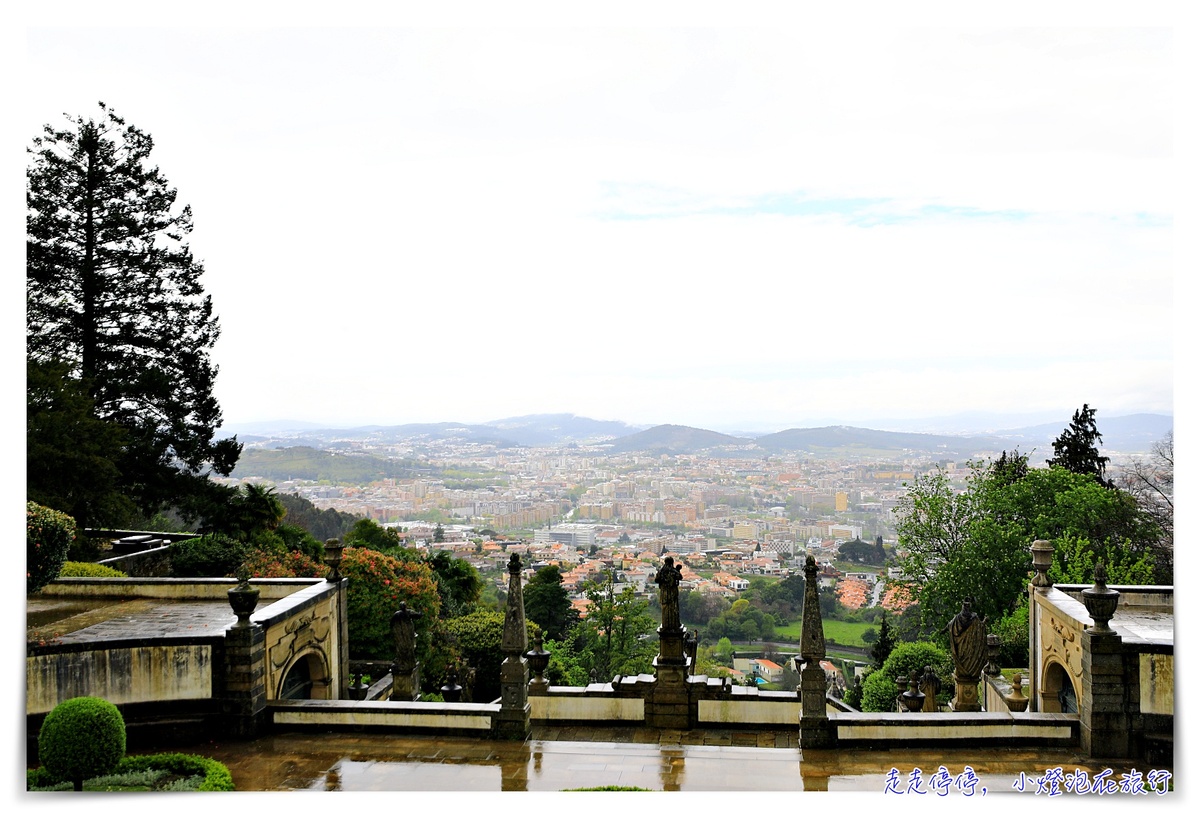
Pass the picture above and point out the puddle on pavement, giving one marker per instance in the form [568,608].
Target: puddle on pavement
[380,763]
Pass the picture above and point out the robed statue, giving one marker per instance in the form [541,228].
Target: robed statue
[968,642]
[668,579]
[404,636]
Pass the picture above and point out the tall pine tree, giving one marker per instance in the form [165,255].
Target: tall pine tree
[113,292]
[1077,448]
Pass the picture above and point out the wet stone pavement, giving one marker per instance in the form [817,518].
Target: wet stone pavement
[563,758]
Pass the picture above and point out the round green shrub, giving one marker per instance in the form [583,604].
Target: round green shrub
[879,690]
[213,555]
[82,738]
[89,569]
[48,537]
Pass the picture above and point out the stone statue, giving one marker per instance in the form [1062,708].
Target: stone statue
[667,579]
[691,641]
[968,649]
[404,635]
[931,685]
[968,642]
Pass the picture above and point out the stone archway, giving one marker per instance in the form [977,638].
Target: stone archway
[307,677]
[1057,691]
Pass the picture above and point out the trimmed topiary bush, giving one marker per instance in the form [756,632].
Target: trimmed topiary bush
[82,738]
[213,555]
[89,569]
[48,537]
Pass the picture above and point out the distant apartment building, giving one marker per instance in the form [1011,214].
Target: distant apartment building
[745,531]
[579,535]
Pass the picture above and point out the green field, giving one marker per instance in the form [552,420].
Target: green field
[844,633]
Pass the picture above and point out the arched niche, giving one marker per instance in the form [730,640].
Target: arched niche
[307,677]
[1057,691]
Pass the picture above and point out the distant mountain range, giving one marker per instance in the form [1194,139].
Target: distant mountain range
[1129,433]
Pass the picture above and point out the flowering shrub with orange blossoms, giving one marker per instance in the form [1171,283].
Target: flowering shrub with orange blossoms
[378,584]
[294,564]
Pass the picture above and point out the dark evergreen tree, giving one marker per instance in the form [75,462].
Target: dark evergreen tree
[884,645]
[70,453]
[323,525]
[113,292]
[1077,448]
[548,603]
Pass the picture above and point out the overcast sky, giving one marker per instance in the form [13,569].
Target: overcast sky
[748,228]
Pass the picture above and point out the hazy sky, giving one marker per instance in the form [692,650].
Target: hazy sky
[746,227]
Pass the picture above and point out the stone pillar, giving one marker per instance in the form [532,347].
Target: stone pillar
[1105,727]
[512,722]
[669,706]
[244,697]
[816,731]
[342,677]
[1042,552]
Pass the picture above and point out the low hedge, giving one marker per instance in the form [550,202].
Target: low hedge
[89,569]
[212,555]
[216,775]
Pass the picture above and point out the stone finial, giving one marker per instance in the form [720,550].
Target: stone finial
[1101,601]
[812,634]
[1043,551]
[515,638]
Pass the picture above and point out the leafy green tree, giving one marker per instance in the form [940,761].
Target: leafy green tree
[367,533]
[976,543]
[698,608]
[1077,448]
[477,638]
[298,539]
[439,533]
[615,636]
[113,292]
[548,603]
[70,454]
[459,584]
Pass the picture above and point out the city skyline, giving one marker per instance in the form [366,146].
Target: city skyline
[721,228]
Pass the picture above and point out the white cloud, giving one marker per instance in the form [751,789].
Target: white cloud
[382,208]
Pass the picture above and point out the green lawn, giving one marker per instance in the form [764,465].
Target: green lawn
[844,633]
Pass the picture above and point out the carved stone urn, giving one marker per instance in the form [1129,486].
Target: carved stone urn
[539,659]
[913,699]
[1043,551]
[243,599]
[1101,601]
[333,558]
